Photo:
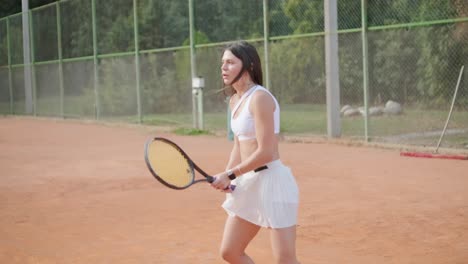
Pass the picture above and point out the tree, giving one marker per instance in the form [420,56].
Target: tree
[11,7]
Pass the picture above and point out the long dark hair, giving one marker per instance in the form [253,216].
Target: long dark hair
[250,62]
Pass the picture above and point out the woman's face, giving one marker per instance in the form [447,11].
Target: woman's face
[230,67]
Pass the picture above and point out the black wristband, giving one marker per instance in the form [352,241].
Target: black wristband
[231,175]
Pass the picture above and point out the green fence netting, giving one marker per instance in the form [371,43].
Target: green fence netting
[131,61]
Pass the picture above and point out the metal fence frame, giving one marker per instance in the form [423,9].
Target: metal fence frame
[266,39]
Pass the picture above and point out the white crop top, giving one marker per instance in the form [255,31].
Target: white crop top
[243,125]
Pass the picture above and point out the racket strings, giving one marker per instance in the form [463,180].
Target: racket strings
[169,164]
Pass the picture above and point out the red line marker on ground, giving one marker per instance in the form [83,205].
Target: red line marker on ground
[436,156]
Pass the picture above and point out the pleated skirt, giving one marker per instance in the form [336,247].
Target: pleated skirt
[268,198]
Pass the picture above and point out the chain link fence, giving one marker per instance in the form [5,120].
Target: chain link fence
[94,59]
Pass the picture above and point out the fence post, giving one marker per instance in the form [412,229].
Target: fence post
[137,59]
[365,69]
[97,111]
[27,50]
[33,70]
[332,69]
[59,45]
[266,36]
[10,77]
[193,62]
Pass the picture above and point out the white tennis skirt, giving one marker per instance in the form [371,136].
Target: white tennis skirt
[268,198]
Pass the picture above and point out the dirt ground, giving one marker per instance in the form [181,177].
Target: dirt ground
[80,192]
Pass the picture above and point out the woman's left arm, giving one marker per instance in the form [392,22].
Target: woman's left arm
[262,108]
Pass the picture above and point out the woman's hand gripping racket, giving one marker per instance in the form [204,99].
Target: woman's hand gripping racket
[171,166]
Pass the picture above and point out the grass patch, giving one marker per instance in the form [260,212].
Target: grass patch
[190,131]
[167,119]
[307,119]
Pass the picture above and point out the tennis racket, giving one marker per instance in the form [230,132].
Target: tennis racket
[171,166]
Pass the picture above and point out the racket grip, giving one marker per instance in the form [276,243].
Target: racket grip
[212,179]
[231,186]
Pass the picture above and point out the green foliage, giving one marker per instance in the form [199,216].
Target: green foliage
[80,105]
[3,43]
[77,29]
[117,92]
[166,85]
[229,20]
[200,38]
[392,65]
[16,39]
[162,23]
[350,69]
[297,70]
[114,24]
[44,24]
[159,94]
[308,16]
[415,66]
[305,16]
[279,21]
[10,7]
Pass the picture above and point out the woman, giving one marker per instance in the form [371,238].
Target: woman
[265,194]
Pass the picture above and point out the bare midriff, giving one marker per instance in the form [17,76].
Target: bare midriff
[249,146]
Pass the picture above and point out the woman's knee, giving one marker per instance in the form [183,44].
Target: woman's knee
[229,255]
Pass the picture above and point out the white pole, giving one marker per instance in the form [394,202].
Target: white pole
[266,37]
[331,69]
[451,108]
[27,57]
[365,67]
[193,64]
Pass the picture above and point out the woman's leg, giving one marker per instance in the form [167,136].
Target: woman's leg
[237,235]
[283,244]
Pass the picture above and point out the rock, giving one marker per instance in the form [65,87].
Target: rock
[376,111]
[373,111]
[392,108]
[351,112]
[344,108]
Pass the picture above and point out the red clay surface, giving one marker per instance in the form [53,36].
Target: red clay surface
[74,192]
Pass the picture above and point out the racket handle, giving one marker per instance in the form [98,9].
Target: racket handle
[231,186]
[211,179]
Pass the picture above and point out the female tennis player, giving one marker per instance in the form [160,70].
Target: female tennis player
[266,193]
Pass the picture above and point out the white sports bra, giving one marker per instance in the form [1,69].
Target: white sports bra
[243,125]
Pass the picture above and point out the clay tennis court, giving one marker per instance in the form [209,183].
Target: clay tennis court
[80,192]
